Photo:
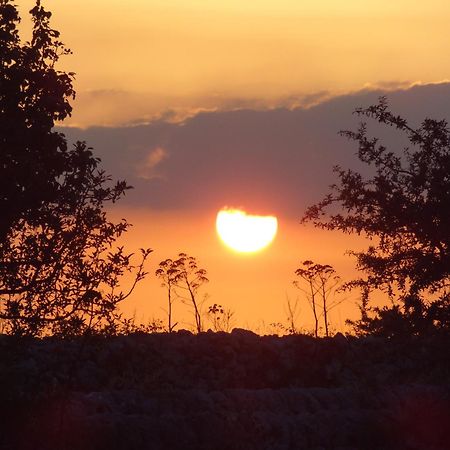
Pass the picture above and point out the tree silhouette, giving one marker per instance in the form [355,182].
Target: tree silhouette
[59,270]
[404,209]
[168,272]
[319,282]
[186,277]
[33,95]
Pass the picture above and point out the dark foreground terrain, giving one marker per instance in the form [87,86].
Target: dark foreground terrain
[218,391]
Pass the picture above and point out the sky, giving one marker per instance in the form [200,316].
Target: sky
[171,58]
[201,104]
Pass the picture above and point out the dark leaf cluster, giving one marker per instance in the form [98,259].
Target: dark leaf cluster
[60,269]
[404,208]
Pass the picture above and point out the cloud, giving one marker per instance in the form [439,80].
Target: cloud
[146,169]
[269,161]
[121,108]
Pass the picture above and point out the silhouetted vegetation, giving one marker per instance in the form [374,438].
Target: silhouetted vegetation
[33,95]
[318,282]
[184,277]
[404,209]
[59,268]
[167,273]
[292,310]
[60,272]
[221,318]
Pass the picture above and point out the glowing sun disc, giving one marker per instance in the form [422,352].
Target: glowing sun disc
[243,232]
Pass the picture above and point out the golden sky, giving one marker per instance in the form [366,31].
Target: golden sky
[255,286]
[138,59]
[205,62]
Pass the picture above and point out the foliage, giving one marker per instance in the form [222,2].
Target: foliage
[186,277]
[60,274]
[415,317]
[129,326]
[222,319]
[59,269]
[33,95]
[318,282]
[292,311]
[167,271]
[404,209]
[276,329]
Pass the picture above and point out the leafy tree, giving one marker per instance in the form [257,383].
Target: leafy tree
[404,209]
[59,269]
[186,277]
[318,282]
[33,95]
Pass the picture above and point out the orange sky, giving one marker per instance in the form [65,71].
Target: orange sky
[138,60]
[255,286]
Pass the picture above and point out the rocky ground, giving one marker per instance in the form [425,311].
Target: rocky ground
[217,391]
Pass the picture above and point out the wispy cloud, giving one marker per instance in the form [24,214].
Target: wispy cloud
[147,169]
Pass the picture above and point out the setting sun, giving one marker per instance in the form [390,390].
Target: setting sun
[243,232]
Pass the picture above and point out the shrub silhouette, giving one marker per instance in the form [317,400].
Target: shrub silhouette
[183,277]
[221,318]
[59,269]
[318,282]
[404,208]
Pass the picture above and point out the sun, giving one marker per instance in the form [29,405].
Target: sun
[243,232]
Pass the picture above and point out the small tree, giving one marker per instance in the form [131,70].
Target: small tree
[168,272]
[318,282]
[404,209]
[60,274]
[59,268]
[186,277]
[33,95]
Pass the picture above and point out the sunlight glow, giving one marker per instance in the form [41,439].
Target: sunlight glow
[245,233]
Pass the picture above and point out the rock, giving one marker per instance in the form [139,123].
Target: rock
[241,332]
